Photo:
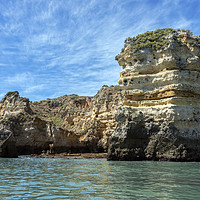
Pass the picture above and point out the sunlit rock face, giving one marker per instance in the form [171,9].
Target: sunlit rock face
[31,133]
[90,119]
[160,116]
[70,123]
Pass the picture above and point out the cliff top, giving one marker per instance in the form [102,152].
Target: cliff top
[155,40]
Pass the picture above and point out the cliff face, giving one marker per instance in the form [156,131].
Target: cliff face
[160,115]
[66,124]
[156,116]
[32,134]
[89,118]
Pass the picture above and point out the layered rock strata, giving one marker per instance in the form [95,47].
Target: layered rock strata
[160,116]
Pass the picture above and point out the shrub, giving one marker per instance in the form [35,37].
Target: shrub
[155,40]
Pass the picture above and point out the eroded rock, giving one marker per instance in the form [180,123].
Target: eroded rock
[66,124]
[160,116]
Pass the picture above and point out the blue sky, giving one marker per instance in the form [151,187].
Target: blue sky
[49,48]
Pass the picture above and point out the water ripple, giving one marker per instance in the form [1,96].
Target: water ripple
[36,178]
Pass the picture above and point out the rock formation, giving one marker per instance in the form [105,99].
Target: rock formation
[32,135]
[7,144]
[156,116]
[160,116]
[66,124]
[91,119]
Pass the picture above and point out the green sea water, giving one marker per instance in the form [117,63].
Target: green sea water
[61,178]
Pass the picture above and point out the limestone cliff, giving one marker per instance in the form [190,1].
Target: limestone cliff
[160,116]
[89,118]
[154,113]
[66,124]
[32,134]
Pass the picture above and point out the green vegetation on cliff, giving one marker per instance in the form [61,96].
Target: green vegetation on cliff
[155,40]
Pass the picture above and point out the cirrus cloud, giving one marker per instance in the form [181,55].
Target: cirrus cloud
[51,48]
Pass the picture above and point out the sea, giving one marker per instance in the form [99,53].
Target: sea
[70,178]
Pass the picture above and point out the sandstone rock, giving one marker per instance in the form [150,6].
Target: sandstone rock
[12,104]
[91,119]
[66,124]
[32,134]
[160,116]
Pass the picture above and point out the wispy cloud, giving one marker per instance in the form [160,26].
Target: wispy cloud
[22,78]
[51,48]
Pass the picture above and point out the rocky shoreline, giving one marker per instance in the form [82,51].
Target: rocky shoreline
[153,114]
[160,82]
[67,155]
[70,123]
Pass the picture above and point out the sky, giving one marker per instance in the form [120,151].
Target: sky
[50,48]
